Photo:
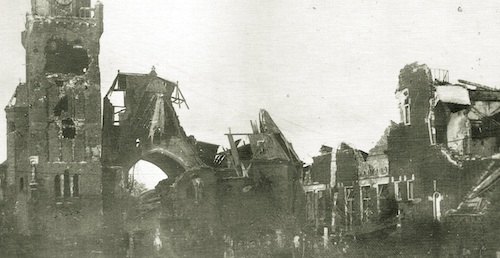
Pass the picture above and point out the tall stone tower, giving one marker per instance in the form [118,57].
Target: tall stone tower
[54,122]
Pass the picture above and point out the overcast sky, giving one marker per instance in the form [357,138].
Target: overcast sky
[326,70]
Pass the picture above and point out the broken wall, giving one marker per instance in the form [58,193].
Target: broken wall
[148,121]
[253,209]
[147,128]
[458,131]
[429,168]
[320,169]
[55,147]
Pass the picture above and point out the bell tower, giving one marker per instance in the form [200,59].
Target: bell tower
[55,144]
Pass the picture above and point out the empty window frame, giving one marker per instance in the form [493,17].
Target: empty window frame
[349,206]
[397,191]
[68,128]
[405,106]
[365,203]
[410,186]
[61,106]
[67,183]
[321,206]
[57,186]
[383,191]
[21,184]
[65,57]
[310,206]
[76,185]
[430,124]
[382,194]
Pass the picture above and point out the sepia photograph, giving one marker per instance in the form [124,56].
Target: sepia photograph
[242,129]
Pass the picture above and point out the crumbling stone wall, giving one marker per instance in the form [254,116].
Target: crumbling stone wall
[431,168]
[187,216]
[411,153]
[55,128]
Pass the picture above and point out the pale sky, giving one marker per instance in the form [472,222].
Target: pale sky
[326,70]
[147,173]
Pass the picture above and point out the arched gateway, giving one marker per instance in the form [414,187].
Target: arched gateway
[140,123]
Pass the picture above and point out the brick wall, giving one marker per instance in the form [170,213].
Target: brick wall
[56,121]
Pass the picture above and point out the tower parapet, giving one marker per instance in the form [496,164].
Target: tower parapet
[61,8]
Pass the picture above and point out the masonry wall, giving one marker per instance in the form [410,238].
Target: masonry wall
[347,177]
[56,93]
[268,205]
[411,154]
[54,136]
[429,168]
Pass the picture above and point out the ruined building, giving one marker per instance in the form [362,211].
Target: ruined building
[61,188]
[447,144]
[259,190]
[209,203]
[364,203]
[54,123]
[348,190]
[447,138]
[430,185]
[140,123]
[318,184]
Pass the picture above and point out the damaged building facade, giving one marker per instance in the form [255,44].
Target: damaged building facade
[318,183]
[262,204]
[53,171]
[140,123]
[447,145]
[67,180]
[348,189]
[67,175]
[431,179]
[211,202]
[364,202]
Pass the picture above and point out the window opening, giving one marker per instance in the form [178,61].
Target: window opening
[321,206]
[21,184]
[76,185]
[67,181]
[406,107]
[382,194]
[397,191]
[383,191]
[197,187]
[65,57]
[68,128]
[410,185]
[57,186]
[349,209]
[61,106]
[365,194]
[310,206]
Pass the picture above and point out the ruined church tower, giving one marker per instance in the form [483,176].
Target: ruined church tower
[54,121]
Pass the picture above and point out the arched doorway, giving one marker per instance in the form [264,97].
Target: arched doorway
[144,176]
[170,202]
[149,191]
[164,198]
